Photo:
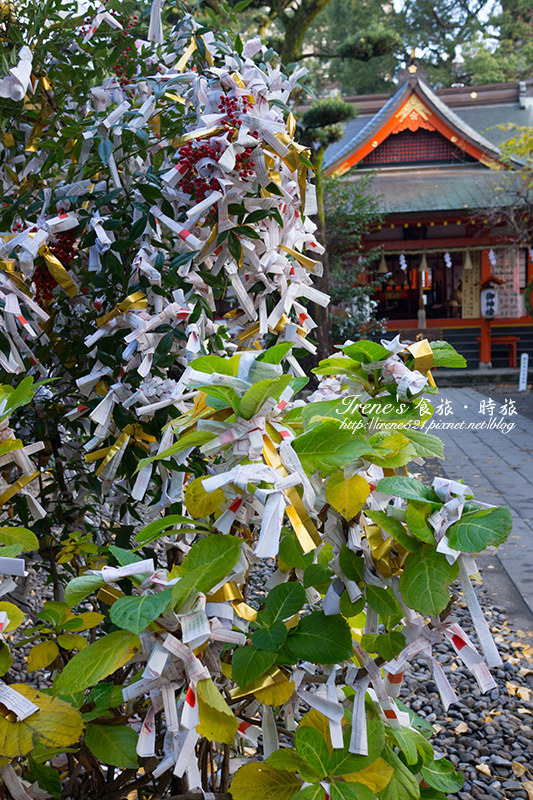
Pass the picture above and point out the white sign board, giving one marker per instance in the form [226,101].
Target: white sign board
[522,381]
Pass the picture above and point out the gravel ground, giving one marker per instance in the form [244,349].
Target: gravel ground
[488,737]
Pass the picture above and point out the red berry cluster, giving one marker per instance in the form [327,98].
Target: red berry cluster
[63,249]
[199,186]
[125,66]
[17,226]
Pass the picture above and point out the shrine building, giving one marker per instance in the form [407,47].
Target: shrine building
[439,176]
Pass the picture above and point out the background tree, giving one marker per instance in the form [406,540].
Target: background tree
[351,209]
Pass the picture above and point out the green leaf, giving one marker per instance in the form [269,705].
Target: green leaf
[315,413]
[260,781]
[317,575]
[134,614]
[337,366]
[328,447]
[154,530]
[311,746]
[10,398]
[442,775]
[210,364]
[113,744]
[321,639]
[288,759]
[105,148]
[282,602]
[444,355]
[6,659]
[291,554]
[416,519]
[366,352]
[350,791]
[225,393]
[22,537]
[47,777]
[271,638]
[351,563]
[386,645]
[408,488]
[254,399]
[96,662]
[342,762]
[124,556]
[393,527]
[426,444]
[382,600]
[480,529]
[403,783]
[205,565]
[413,745]
[275,354]
[313,792]
[425,580]
[249,663]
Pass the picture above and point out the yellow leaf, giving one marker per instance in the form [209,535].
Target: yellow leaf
[461,728]
[217,721]
[41,655]
[201,503]
[347,495]
[277,694]
[376,776]
[484,768]
[56,724]
[72,641]
[524,693]
[90,619]
[518,769]
[259,781]
[528,786]
[16,616]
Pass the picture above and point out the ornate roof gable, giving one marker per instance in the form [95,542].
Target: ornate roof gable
[413,106]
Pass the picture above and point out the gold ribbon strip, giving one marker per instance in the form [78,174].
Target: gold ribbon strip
[58,271]
[387,564]
[134,432]
[182,62]
[230,591]
[305,261]
[130,303]
[302,524]
[192,136]
[423,355]
[270,680]
[18,279]
[17,486]
[244,610]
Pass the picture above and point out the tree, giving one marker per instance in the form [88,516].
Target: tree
[320,126]
[457,43]
[351,210]
[174,455]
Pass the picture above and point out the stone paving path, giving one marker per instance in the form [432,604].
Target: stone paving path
[497,465]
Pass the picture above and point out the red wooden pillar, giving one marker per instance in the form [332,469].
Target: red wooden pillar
[484,344]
